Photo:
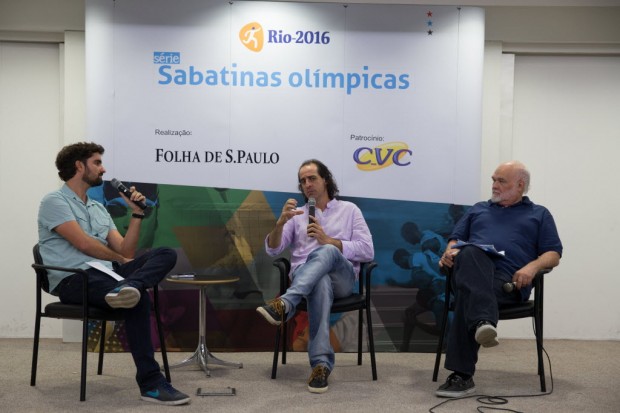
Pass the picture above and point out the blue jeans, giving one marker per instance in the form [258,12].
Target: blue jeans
[325,275]
[142,273]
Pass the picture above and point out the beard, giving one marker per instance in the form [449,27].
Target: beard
[505,196]
[93,182]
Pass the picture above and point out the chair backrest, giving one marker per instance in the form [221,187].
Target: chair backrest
[42,279]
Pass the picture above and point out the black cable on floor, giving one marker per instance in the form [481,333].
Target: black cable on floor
[492,401]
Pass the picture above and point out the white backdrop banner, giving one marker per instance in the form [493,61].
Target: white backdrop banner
[237,95]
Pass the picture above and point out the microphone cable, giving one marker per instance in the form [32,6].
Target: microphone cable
[490,402]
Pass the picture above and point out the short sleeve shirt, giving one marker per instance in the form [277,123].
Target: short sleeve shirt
[63,206]
[523,230]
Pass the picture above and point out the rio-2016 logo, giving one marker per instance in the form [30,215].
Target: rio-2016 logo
[382,156]
[254,37]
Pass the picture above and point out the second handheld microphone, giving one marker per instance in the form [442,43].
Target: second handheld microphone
[509,287]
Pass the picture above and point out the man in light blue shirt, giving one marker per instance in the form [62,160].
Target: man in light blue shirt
[64,206]
[326,252]
[74,230]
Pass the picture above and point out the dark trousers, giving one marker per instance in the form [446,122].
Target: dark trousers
[142,273]
[478,292]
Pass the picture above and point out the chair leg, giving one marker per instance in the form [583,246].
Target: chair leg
[160,331]
[371,344]
[284,340]
[276,350]
[360,323]
[442,333]
[84,351]
[539,350]
[101,347]
[35,349]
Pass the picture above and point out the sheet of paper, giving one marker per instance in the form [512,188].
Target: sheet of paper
[488,248]
[103,268]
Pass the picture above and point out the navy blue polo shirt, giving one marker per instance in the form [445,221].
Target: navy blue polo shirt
[523,230]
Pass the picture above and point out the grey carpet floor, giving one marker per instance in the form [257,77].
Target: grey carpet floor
[584,374]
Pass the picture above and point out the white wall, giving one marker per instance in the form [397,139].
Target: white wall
[561,121]
[32,129]
[42,108]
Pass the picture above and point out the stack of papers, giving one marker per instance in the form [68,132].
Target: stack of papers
[488,248]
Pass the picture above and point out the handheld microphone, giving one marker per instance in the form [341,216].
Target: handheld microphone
[509,287]
[311,209]
[122,188]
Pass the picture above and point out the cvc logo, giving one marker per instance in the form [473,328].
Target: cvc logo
[382,156]
[252,36]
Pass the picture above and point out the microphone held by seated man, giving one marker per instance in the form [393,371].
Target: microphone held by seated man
[328,241]
[75,229]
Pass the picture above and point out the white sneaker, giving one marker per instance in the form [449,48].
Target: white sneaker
[486,335]
[123,297]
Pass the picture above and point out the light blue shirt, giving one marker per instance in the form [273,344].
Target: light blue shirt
[63,206]
[342,220]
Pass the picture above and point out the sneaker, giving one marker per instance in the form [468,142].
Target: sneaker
[164,393]
[486,334]
[456,386]
[123,296]
[273,311]
[317,383]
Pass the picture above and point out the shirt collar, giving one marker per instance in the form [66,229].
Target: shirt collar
[524,201]
[69,193]
[332,203]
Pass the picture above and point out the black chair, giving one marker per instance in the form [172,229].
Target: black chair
[531,308]
[359,301]
[82,312]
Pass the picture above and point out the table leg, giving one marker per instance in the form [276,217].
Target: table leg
[202,356]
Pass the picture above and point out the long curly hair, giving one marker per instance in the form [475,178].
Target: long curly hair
[325,173]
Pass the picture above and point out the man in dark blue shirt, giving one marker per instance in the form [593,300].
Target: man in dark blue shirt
[525,239]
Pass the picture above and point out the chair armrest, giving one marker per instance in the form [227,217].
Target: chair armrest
[284,267]
[542,272]
[538,284]
[43,282]
[366,269]
[57,268]
[366,272]
[536,281]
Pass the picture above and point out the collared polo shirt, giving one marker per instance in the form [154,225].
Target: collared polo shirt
[63,206]
[523,230]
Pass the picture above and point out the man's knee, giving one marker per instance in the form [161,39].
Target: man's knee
[166,254]
[325,251]
[469,252]
[323,290]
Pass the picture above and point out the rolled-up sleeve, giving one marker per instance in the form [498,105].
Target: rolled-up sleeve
[287,235]
[360,247]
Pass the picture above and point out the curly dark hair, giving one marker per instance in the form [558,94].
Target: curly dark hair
[80,151]
[325,173]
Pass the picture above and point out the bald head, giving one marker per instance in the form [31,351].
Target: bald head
[521,172]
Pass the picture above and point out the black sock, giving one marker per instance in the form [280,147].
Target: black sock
[464,376]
